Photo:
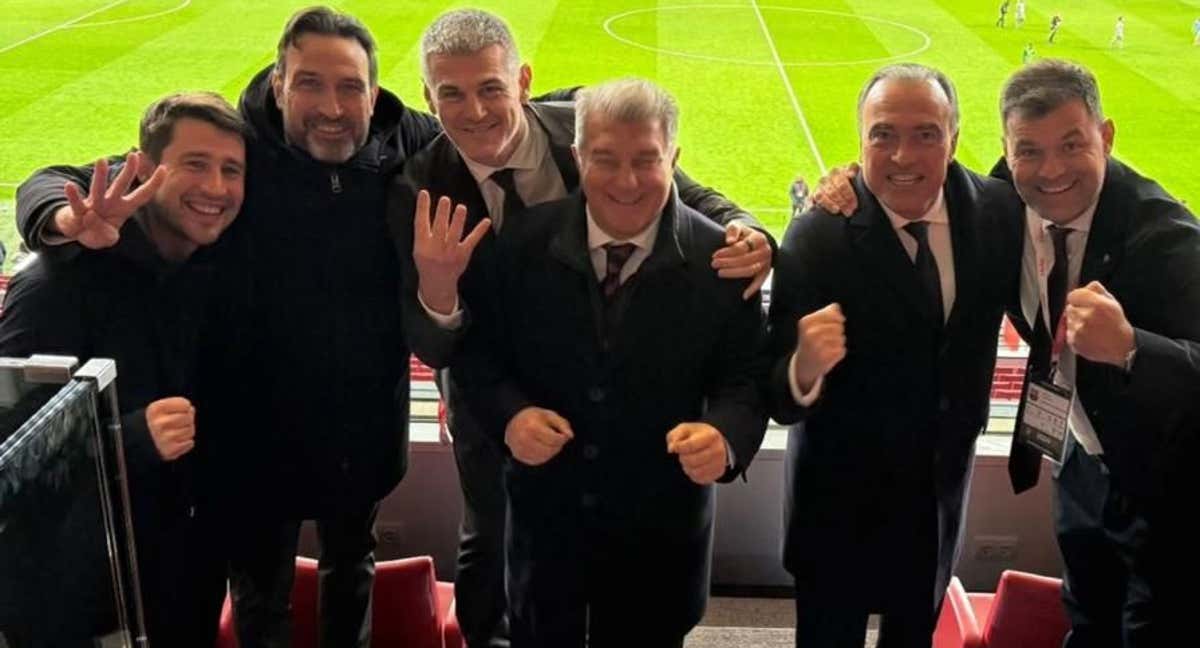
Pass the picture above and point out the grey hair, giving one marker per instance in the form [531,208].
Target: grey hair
[466,31]
[627,101]
[912,72]
[1039,88]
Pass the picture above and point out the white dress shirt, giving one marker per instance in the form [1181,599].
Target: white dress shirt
[940,245]
[1036,262]
[598,238]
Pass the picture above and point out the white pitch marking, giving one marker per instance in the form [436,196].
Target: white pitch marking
[65,25]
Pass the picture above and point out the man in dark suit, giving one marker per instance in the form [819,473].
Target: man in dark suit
[1113,262]
[883,327]
[623,375]
[500,152]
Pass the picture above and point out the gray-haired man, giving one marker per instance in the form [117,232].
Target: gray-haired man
[501,152]
[620,371]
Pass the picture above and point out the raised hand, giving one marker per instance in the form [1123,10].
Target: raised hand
[172,423]
[94,221]
[820,344]
[1096,325]
[440,252]
[747,253]
[834,192]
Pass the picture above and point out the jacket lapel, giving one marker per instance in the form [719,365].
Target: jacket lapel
[877,244]
[962,202]
[1108,229]
[559,124]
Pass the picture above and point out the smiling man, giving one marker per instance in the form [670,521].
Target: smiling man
[620,372]
[1110,266]
[142,303]
[501,152]
[883,334]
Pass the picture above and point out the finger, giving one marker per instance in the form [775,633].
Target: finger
[696,443]
[172,422]
[441,219]
[699,459]
[1098,288]
[678,434]
[180,435]
[757,284]
[74,199]
[546,437]
[421,225]
[458,220]
[177,450]
[125,178]
[559,424]
[733,232]
[172,403]
[145,193]
[476,235]
[99,180]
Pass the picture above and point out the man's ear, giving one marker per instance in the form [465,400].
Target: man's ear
[145,167]
[525,80]
[429,99]
[1108,131]
[277,87]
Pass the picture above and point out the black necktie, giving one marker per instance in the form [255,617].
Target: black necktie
[927,269]
[617,255]
[1056,281]
[512,199]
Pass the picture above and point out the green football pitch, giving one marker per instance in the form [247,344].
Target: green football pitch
[767,87]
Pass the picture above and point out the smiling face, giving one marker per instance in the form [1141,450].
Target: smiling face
[907,142]
[203,190]
[1058,160]
[625,171]
[326,96]
[479,99]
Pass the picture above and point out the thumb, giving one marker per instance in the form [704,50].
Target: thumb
[834,309]
[677,436]
[1098,288]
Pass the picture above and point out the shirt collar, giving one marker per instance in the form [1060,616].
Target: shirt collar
[598,238]
[528,155]
[1083,223]
[936,214]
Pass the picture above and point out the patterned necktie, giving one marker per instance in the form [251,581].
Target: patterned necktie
[927,269]
[512,200]
[617,255]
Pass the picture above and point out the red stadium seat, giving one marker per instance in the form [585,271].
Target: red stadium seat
[1026,612]
[956,626]
[410,608]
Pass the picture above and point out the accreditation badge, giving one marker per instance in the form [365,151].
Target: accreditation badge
[1045,411]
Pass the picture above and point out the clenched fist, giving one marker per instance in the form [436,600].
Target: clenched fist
[1096,325]
[820,344]
[172,423]
[536,435]
[701,450]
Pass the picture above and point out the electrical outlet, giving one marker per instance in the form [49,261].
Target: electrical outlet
[996,548]
[390,534]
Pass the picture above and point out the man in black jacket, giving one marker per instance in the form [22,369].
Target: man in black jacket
[621,372]
[883,331]
[321,431]
[500,152]
[142,303]
[1110,297]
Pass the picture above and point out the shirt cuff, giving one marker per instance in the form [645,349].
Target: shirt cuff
[730,458]
[802,399]
[450,322]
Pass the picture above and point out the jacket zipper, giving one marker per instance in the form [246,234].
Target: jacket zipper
[335,183]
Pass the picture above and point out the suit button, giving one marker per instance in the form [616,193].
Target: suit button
[590,451]
[597,394]
[588,501]
[944,404]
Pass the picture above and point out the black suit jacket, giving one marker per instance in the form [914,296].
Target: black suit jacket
[878,466]
[1144,247]
[440,170]
[687,347]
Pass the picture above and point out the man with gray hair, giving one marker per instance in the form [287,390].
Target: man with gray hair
[883,335]
[621,373]
[1110,302]
[499,153]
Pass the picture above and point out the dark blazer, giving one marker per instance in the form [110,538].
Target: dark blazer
[440,169]
[686,347]
[878,467]
[1144,247]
